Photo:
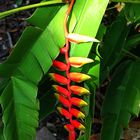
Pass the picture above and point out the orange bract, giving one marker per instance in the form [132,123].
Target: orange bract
[79,61]
[69,127]
[78,102]
[61,90]
[79,90]
[59,65]
[59,78]
[63,100]
[64,112]
[78,125]
[77,113]
[79,77]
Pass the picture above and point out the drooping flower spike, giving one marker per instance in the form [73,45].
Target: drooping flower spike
[68,94]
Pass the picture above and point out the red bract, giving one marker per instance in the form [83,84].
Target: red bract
[78,102]
[79,77]
[61,90]
[59,78]
[63,100]
[79,90]
[59,65]
[72,135]
[77,113]
[63,50]
[77,125]
[64,112]
[69,127]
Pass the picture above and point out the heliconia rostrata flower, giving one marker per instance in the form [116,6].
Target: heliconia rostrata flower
[69,94]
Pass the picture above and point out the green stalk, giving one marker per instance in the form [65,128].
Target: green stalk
[128,1]
[9,12]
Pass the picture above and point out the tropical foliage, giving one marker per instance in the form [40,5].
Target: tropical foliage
[40,53]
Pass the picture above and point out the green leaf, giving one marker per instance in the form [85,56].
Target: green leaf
[114,42]
[132,12]
[122,100]
[132,42]
[19,2]
[47,106]
[127,1]
[19,97]
[3,83]
[89,28]
[1,134]
[28,63]
[42,16]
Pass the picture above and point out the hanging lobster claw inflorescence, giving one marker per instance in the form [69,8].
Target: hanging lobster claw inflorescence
[66,91]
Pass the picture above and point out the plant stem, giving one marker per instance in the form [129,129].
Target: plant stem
[128,1]
[9,12]
[72,133]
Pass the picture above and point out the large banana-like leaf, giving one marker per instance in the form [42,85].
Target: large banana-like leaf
[32,58]
[111,51]
[122,100]
[119,32]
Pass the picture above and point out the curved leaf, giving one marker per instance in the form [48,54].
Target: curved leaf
[122,100]
[20,110]
[28,63]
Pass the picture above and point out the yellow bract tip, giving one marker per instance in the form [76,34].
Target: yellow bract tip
[82,127]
